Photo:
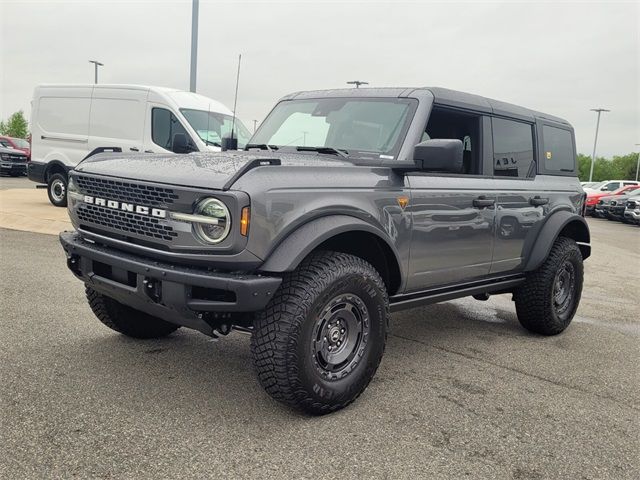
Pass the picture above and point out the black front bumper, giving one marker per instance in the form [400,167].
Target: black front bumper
[13,167]
[181,295]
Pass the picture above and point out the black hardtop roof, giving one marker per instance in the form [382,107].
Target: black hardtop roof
[442,96]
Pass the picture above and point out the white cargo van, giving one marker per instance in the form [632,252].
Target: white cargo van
[72,122]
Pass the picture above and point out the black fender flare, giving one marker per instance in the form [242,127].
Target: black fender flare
[55,165]
[538,249]
[302,241]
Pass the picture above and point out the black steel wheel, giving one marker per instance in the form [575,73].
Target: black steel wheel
[320,340]
[549,298]
[57,189]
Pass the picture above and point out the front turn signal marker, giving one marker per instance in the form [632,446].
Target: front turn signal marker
[244,221]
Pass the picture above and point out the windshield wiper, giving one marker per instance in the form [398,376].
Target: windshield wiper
[213,144]
[261,146]
[329,150]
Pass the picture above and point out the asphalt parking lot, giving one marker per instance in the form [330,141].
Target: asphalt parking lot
[462,392]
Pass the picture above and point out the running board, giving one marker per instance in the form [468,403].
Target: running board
[426,297]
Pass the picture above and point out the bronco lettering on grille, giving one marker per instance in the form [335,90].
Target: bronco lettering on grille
[125,207]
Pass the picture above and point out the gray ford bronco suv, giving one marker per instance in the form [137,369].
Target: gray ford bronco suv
[345,206]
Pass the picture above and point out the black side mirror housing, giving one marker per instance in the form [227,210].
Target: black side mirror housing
[229,143]
[439,155]
[180,144]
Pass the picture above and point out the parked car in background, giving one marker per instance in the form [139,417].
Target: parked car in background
[632,210]
[594,197]
[609,186]
[12,161]
[603,206]
[617,205]
[16,143]
[72,122]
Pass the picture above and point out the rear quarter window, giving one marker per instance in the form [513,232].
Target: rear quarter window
[558,152]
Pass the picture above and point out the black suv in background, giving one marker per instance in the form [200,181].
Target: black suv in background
[12,161]
[347,205]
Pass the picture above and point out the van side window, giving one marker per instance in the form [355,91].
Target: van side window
[512,149]
[164,125]
[558,149]
[451,124]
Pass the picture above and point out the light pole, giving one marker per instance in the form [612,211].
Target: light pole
[638,163]
[357,83]
[255,125]
[595,141]
[194,46]
[96,64]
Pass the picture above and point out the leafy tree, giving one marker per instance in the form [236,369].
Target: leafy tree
[620,167]
[15,126]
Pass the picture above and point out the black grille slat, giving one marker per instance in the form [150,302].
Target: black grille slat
[129,192]
[125,222]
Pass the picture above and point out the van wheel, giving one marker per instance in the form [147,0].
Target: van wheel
[319,341]
[57,189]
[549,297]
[126,320]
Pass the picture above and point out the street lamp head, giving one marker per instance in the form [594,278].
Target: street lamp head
[357,83]
[600,110]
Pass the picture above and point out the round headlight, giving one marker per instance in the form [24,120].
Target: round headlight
[216,230]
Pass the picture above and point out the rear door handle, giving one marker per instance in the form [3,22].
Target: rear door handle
[537,201]
[483,202]
[148,151]
[134,149]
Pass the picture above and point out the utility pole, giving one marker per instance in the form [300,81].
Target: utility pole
[357,83]
[595,141]
[638,163]
[194,46]
[96,64]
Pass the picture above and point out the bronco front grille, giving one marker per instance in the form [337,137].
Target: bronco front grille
[125,222]
[124,191]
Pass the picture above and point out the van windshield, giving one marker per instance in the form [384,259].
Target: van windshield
[212,127]
[353,126]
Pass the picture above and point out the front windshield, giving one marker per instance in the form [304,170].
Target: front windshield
[355,126]
[21,143]
[212,127]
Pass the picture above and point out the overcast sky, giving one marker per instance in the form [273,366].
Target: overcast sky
[559,57]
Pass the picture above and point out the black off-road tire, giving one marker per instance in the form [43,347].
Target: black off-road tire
[57,189]
[126,320]
[288,341]
[536,300]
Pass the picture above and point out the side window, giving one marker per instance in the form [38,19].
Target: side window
[558,150]
[613,186]
[451,124]
[512,149]
[164,125]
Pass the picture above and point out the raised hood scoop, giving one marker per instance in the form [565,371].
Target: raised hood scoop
[215,170]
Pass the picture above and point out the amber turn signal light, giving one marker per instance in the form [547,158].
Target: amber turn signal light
[244,222]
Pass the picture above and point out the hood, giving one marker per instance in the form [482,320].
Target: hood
[203,170]
[13,151]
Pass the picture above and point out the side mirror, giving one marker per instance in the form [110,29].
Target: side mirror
[229,143]
[439,155]
[180,144]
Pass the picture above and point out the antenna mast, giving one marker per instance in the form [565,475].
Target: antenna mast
[235,100]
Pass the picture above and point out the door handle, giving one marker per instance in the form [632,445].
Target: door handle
[537,201]
[483,202]
[148,151]
[134,149]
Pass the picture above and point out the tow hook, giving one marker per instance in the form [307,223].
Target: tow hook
[73,262]
[152,288]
